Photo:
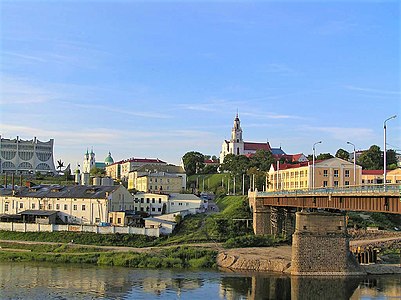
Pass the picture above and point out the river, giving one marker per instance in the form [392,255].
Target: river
[49,281]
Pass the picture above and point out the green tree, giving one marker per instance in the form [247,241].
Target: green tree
[371,159]
[323,156]
[391,159]
[260,177]
[236,164]
[194,162]
[343,154]
[97,171]
[262,160]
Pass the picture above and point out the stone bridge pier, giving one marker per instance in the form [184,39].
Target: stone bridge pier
[320,246]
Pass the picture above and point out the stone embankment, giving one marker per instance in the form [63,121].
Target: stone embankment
[271,259]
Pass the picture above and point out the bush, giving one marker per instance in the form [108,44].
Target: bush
[250,241]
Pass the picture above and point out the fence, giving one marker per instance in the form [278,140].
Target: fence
[35,227]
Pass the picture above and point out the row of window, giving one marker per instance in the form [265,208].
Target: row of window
[49,206]
[148,200]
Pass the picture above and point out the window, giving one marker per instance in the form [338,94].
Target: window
[6,206]
[65,207]
[49,206]
[57,206]
[21,205]
[180,203]
[335,183]
[160,200]
[40,206]
[118,220]
[324,183]
[153,209]
[75,207]
[346,173]
[147,200]
[97,220]
[142,200]
[111,219]
[83,207]
[335,173]
[33,205]
[172,203]
[159,209]
[347,183]
[153,200]
[325,173]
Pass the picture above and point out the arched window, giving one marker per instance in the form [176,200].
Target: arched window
[237,150]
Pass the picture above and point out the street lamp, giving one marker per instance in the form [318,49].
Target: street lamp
[385,151]
[354,162]
[313,164]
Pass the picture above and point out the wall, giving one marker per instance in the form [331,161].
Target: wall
[29,227]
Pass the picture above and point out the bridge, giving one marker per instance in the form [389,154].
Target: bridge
[320,239]
[368,198]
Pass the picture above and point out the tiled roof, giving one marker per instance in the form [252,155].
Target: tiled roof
[257,146]
[277,151]
[372,172]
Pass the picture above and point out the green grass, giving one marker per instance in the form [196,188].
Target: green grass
[85,238]
[177,257]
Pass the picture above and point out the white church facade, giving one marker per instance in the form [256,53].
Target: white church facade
[236,144]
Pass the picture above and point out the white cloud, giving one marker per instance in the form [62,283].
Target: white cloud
[343,133]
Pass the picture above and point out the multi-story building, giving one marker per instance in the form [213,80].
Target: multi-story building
[73,204]
[333,172]
[121,169]
[26,157]
[159,182]
[160,169]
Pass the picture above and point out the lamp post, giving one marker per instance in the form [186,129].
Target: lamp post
[354,162]
[385,151]
[313,164]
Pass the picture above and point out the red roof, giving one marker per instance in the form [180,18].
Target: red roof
[257,146]
[373,172]
[211,162]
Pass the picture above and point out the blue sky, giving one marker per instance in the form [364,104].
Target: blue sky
[159,79]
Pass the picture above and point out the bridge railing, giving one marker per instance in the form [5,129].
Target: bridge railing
[361,189]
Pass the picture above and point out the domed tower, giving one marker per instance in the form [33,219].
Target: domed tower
[236,141]
[109,160]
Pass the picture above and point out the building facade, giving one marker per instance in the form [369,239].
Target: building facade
[74,204]
[120,170]
[159,182]
[167,170]
[330,173]
[376,176]
[26,157]
[160,204]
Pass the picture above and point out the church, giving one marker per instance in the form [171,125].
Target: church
[237,146]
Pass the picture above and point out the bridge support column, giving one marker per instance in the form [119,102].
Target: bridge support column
[261,219]
[320,246]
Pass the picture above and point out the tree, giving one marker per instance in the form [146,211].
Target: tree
[193,162]
[343,154]
[236,164]
[262,160]
[324,156]
[371,159]
[391,159]
[97,171]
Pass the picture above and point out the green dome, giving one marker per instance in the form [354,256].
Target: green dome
[109,160]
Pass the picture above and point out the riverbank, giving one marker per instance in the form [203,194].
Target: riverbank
[169,257]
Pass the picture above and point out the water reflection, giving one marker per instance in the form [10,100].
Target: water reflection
[43,281]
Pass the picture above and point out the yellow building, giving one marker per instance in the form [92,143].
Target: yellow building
[333,172]
[159,182]
[376,176]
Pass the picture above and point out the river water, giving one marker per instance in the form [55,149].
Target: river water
[67,281]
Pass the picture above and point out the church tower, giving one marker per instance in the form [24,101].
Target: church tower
[236,146]
[89,161]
